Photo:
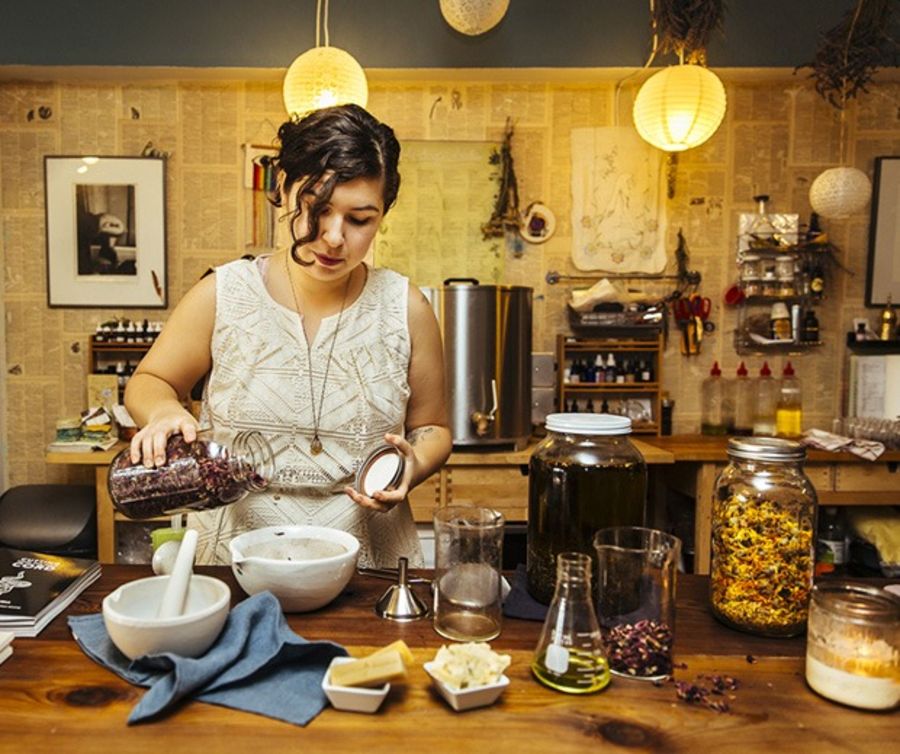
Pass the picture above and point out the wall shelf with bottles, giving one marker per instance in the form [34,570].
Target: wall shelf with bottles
[782,274]
[117,348]
[612,375]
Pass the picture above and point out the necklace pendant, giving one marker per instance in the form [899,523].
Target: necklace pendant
[315,446]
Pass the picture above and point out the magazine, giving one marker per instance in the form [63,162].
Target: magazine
[36,587]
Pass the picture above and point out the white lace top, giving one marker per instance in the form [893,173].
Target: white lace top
[259,380]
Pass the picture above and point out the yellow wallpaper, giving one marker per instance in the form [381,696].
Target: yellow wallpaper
[777,137]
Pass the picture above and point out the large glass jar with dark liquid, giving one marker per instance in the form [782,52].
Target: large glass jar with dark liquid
[584,476]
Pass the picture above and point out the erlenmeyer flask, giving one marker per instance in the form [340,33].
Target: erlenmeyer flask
[569,655]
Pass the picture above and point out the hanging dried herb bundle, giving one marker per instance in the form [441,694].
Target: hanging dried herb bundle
[685,26]
[850,53]
[506,204]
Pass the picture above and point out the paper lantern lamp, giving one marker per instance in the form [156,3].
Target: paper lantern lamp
[473,17]
[322,77]
[679,107]
[838,193]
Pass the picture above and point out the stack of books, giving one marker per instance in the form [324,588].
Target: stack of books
[36,587]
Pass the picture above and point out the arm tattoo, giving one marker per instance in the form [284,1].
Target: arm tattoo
[417,434]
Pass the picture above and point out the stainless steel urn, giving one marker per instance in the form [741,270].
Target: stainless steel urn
[487,360]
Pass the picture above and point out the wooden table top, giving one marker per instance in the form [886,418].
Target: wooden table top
[703,448]
[61,701]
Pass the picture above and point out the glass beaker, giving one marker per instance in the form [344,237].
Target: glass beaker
[569,655]
[468,555]
[636,570]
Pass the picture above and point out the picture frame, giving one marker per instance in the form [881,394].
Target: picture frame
[106,232]
[883,269]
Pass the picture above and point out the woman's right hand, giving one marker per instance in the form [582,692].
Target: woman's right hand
[149,443]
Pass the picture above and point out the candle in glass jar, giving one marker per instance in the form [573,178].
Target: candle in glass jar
[852,652]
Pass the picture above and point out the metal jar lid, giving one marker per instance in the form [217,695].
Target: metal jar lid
[766,449]
[382,470]
[589,424]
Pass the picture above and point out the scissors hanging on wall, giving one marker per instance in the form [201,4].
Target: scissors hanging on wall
[692,316]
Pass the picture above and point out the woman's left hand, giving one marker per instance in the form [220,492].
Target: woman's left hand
[385,500]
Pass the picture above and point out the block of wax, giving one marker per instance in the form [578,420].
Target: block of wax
[374,670]
[397,646]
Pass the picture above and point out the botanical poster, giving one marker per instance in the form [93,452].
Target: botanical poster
[618,202]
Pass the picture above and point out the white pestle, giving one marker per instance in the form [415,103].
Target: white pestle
[173,599]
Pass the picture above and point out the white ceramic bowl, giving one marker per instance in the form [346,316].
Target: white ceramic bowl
[465,699]
[265,559]
[130,617]
[352,698]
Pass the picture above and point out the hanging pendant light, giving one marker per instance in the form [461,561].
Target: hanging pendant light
[323,76]
[840,192]
[679,107]
[473,17]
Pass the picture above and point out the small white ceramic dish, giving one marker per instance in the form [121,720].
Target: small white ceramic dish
[466,699]
[131,621]
[352,698]
[272,558]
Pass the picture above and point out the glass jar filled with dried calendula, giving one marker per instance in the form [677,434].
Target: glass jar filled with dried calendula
[763,524]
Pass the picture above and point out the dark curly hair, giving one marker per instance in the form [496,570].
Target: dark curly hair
[346,142]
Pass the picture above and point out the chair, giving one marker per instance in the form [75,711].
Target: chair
[58,519]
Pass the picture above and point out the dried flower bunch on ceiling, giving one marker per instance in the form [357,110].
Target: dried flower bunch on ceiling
[850,53]
[686,26]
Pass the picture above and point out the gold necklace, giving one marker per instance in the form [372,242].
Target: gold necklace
[315,446]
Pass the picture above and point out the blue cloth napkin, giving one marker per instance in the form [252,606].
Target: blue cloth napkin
[519,603]
[258,664]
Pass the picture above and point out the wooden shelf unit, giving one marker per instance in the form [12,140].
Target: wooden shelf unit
[649,347]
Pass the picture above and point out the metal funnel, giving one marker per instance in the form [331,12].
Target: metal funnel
[400,603]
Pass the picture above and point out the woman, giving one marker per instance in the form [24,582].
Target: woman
[324,355]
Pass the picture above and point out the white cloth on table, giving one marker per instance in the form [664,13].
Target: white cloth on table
[818,438]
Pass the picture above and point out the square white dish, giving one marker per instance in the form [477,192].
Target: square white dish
[352,698]
[466,699]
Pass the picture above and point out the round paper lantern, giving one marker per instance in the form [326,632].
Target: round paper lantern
[840,192]
[322,77]
[473,17]
[679,107]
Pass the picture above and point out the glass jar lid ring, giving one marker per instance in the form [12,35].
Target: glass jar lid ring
[766,449]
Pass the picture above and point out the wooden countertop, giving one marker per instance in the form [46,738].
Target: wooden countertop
[53,698]
[707,448]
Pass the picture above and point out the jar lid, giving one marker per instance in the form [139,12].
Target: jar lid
[589,424]
[382,470]
[858,602]
[766,449]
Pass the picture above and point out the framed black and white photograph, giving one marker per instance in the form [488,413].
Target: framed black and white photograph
[883,273]
[106,232]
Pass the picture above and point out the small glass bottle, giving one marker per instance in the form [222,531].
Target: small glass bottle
[810,327]
[831,543]
[570,655]
[789,410]
[853,645]
[717,408]
[583,476]
[763,556]
[743,402]
[765,401]
[888,321]
[780,322]
[203,474]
